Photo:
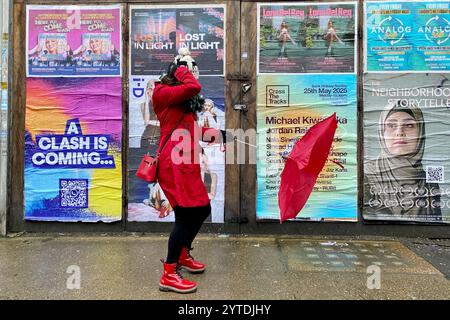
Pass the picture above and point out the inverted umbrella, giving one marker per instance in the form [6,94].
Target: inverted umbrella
[303,165]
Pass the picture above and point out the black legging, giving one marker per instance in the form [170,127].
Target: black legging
[188,222]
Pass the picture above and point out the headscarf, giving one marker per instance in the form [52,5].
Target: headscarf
[398,183]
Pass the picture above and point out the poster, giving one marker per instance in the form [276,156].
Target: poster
[307,37]
[406,149]
[147,202]
[407,36]
[73,149]
[73,41]
[433,36]
[287,106]
[157,32]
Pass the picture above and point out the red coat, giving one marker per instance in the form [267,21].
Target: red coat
[181,182]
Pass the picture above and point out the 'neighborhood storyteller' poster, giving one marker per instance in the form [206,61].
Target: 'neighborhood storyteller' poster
[307,37]
[157,32]
[406,148]
[73,41]
[147,202]
[407,36]
[287,106]
[73,149]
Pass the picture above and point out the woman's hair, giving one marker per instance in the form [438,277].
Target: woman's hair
[169,81]
[150,85]
[169,78]
[210,102]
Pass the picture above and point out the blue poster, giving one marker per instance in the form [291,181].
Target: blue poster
[389,36]
[407,36]
[432,36]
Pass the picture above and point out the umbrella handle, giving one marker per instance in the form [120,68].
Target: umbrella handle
[249,144]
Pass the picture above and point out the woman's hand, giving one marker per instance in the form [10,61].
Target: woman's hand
[171,70]
[185,59]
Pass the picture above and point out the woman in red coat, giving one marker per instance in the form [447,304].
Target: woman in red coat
[179,173]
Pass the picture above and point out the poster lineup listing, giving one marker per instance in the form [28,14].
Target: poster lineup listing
[73,149]
[287,106]
[147,202]
[157,33]
[297,38]
[73,41]
[403,36]
[406,163]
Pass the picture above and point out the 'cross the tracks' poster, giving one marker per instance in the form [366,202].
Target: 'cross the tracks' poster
[287,106]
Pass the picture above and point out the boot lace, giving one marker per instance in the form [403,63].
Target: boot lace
[189,253]
[178,271]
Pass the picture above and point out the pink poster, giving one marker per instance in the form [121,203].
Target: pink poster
[73,41]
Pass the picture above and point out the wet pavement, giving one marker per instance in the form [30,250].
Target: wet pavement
[436,251]
[244,267]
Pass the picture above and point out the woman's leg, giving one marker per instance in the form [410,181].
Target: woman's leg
[198,215]
[180,234]
[188,222]
[171,279]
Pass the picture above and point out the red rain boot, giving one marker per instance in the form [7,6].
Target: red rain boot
[187,262]
[172,280]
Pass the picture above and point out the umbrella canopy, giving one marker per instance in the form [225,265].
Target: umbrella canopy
[303,166]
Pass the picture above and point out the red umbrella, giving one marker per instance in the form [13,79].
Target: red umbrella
[303,166]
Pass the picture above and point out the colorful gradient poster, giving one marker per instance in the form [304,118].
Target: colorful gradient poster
[147,202]
[157,32]
[406,147]
[73,149]
[287,106]
[307,37]
[73,41]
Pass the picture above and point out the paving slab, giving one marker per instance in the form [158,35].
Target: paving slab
[269,267]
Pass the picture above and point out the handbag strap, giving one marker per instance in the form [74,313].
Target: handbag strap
[168,137]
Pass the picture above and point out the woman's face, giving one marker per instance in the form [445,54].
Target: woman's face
[207,106]
[96,45]
[401,134]
[51,45]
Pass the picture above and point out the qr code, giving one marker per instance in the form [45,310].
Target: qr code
[435,174]
[73,193]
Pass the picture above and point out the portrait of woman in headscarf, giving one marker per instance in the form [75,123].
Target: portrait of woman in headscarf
[395,182]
